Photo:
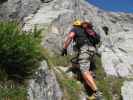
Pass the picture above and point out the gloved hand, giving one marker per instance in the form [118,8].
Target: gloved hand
[64,52]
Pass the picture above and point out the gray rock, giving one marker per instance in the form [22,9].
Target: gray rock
[127,90]
[118,55]
[44,86]
[2,1]
[18,9]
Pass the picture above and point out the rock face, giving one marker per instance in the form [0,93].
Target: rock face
[116,48]
[18,9]
[119,55]
[44,85]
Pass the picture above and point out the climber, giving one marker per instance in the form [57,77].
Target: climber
[86,50]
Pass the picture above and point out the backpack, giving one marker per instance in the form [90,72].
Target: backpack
[81,37]
[94,39]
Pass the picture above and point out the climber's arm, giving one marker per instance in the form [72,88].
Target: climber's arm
[68,40]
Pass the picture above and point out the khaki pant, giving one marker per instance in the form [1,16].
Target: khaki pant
[86,54]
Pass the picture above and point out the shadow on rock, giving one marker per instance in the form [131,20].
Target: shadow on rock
[2,1]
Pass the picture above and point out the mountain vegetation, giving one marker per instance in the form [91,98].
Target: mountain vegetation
[20,56]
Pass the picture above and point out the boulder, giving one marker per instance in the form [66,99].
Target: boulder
[44,85]
[127,90]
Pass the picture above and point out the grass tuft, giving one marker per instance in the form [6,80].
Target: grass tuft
[72,90]
[56,59]
[10,91]
[110,86]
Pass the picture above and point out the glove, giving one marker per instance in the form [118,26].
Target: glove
[64,52]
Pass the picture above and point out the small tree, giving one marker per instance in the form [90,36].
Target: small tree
[20,52]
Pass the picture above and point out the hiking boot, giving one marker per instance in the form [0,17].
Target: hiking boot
[98,95]
[91,97]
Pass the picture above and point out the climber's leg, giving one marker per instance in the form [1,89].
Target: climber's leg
[89,80]
[85,56]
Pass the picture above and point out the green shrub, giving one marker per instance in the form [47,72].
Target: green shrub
[11,91]
[20,52]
